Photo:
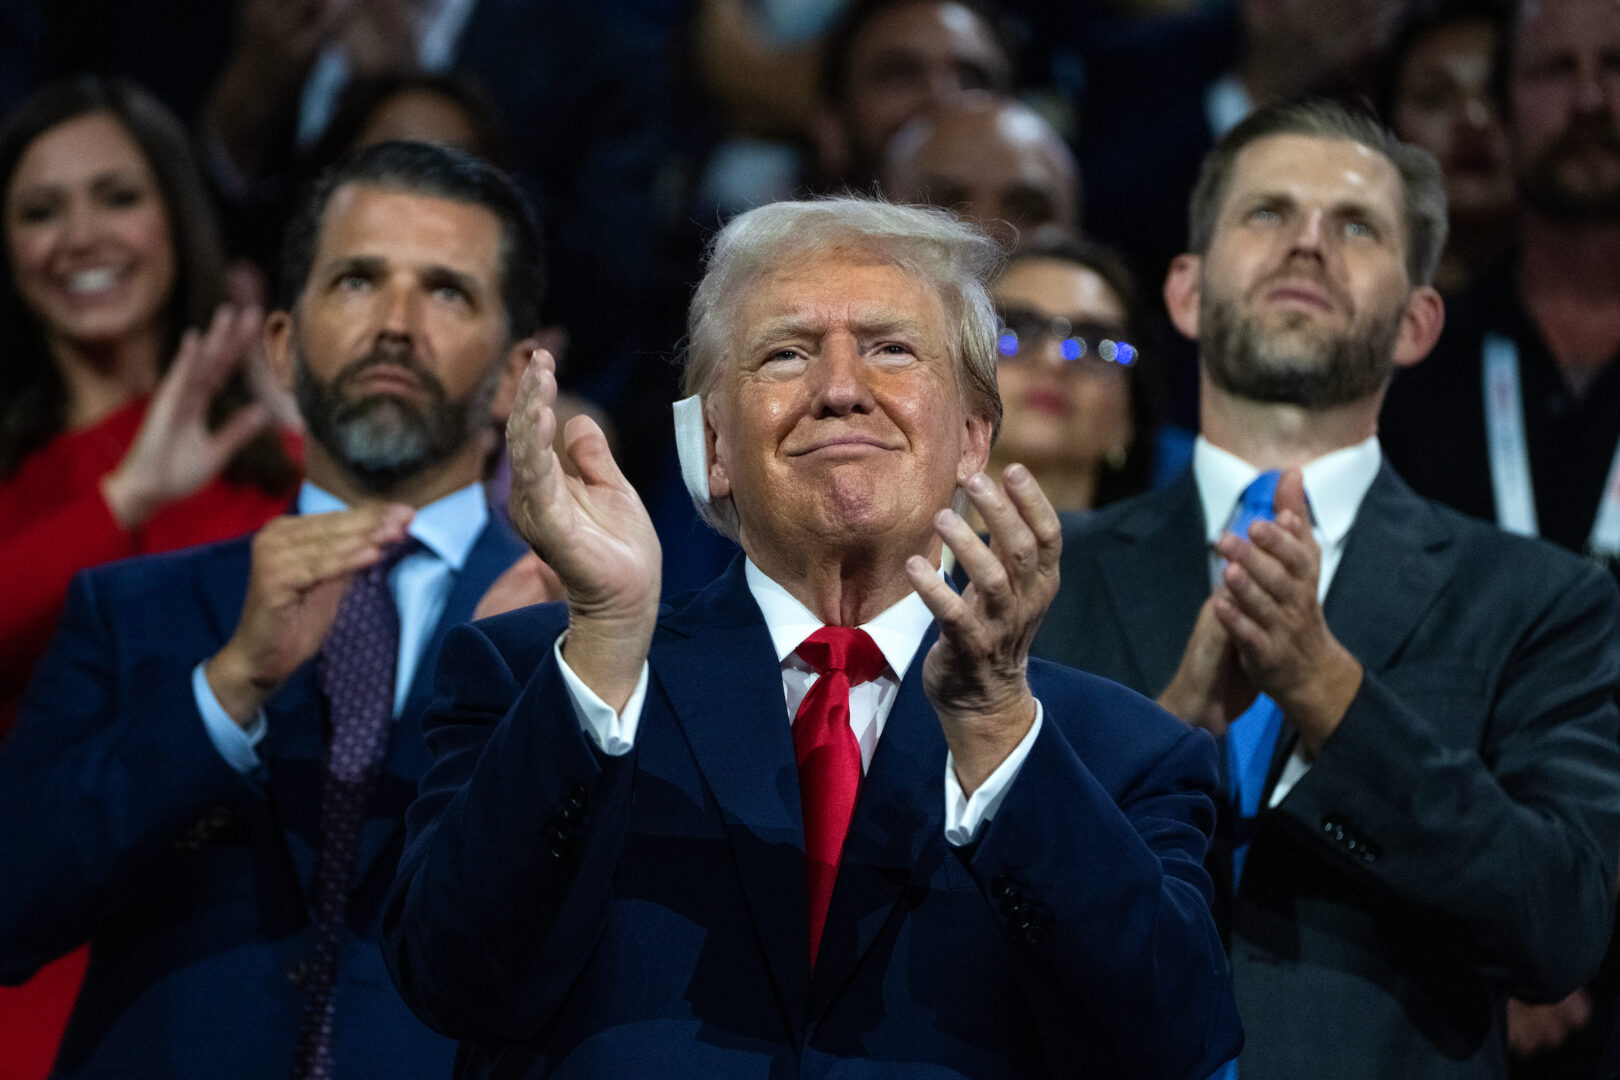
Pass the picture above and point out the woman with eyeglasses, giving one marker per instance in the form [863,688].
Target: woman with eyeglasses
[1077,383]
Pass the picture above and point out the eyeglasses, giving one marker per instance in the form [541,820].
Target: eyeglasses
[1023,332]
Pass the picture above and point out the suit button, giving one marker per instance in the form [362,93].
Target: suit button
[298,974]
[578,796]
[1002,886]
[562,832]
[1030,931]
[558,851]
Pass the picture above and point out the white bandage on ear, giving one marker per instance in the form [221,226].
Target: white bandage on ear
[692,448]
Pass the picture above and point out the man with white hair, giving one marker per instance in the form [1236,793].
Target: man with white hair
[825,815]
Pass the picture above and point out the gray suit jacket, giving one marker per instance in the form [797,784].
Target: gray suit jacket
[1455,842]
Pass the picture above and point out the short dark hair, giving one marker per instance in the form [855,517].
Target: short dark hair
[33,397]
[440,172]
[1423,190]
[834,72]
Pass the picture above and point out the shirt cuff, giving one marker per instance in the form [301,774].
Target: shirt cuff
[964,816]
[236,744]
[614,733]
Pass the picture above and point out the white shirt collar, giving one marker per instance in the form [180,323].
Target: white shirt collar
[897,630]
[448,527]
[1335,484]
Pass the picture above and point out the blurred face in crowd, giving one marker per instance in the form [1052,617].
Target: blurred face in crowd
[88,235]
[907,58]
[1303,295]
[396,347]
[1332,37]
[1443,103]
[995,162]
[419,116]
[1565,93]
[1062,400]
[839,415]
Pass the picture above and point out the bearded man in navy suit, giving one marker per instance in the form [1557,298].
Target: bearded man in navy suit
[168,792]
[619,862]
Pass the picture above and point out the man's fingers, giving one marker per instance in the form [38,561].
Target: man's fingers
[532,427]
[1291,494]
[300,551]
[587,449]
[989,575]
[955,618]
[1010,537]
[1253,598]
[1246,634]
[1038,514]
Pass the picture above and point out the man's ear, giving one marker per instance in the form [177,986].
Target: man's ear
[715,449]
[278,346]
[512,368]
[1424,318]
[975,448]
[1183,289]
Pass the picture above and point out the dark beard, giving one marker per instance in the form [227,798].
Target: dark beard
[1242,360]
[382,440]
[1545,191]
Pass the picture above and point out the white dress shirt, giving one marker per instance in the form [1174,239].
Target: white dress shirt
[897,632]
[447,528]
[1335,484]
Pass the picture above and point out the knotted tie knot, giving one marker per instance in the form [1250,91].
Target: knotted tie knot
[1257,503]
[843,648]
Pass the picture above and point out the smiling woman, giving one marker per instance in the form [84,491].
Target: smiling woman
[111,255]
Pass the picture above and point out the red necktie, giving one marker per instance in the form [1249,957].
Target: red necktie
[829,757]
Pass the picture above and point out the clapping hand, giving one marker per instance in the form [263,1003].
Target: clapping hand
[175,452]
[301,566]
[976,674]
[591,529]
[1269,607]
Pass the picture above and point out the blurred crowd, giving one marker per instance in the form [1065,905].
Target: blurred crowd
[151,152]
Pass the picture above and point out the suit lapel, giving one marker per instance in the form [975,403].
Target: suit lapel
[1393,567]
[407,757]
[898,818]
[1159,540]
[737,727]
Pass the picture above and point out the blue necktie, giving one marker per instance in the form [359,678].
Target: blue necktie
[1252,737]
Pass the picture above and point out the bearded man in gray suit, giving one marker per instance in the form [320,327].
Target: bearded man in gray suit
[1421,810]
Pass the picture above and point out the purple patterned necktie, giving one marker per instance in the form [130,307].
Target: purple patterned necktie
[356,669]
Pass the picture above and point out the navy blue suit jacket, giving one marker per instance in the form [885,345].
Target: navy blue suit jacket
[569,913]
[192,882]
